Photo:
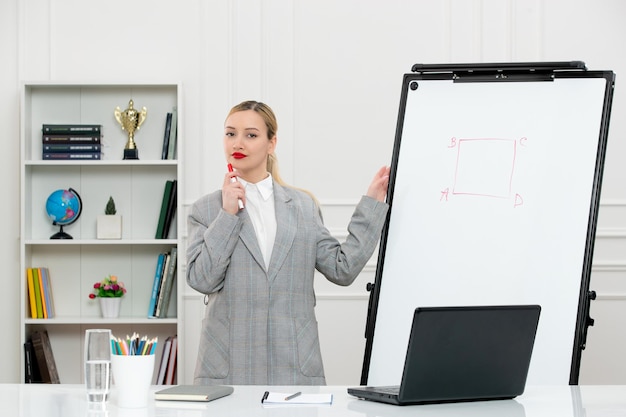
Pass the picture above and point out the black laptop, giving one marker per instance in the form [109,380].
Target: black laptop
[463,354]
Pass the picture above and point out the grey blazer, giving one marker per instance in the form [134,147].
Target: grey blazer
[260,326]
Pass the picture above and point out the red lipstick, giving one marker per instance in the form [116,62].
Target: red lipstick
[238,155]
[234,179]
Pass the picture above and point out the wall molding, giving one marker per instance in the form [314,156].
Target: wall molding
[611,233]
[608,266]
[610,297]
[613,202]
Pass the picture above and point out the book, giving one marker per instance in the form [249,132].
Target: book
[31,293]
[166,135]
[71,155]
[42,294]
[31,370]
[44,273]
[37,290]
[171,151]
[45,357]
[70,139]
[73,129]
[166,266]
[72,147]
[28,362]
[167,284]
[163,212]
[193,392]
[156,284]
[172,362]
[171,210]
[164,359]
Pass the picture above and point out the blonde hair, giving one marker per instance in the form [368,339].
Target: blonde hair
[268,116]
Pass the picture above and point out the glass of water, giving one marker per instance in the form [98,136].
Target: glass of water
[98,364]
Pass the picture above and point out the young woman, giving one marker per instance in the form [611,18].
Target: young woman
[256,264]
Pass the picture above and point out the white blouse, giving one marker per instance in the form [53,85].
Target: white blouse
[260,206]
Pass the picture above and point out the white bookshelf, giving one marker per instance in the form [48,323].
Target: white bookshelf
[137,188]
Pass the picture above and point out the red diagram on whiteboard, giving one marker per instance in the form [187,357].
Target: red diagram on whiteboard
[484,167]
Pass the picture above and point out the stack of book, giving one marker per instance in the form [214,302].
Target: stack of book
[170,135]
[167,368]
[71,141]
[168,209]
[39,293]
[39,364]
[164,277]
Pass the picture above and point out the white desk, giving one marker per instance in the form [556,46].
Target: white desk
[39,400]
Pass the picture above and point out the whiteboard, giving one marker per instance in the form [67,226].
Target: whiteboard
[493,194]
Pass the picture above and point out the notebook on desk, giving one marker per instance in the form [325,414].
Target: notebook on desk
[203,393]
[463,354]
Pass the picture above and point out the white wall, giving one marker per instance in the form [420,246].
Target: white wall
[332,71]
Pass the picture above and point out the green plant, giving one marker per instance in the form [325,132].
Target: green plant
[108,287]
[110,207]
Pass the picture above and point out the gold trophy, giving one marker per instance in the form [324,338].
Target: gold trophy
[130,120]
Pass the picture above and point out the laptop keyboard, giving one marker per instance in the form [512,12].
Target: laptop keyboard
[393,389]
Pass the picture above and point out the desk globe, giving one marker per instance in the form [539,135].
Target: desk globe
[63,208]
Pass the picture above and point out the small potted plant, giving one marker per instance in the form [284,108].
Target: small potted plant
[110,292]
[109,225]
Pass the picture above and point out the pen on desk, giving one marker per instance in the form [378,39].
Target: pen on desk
[292,396]
[265,396]
[234,179]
